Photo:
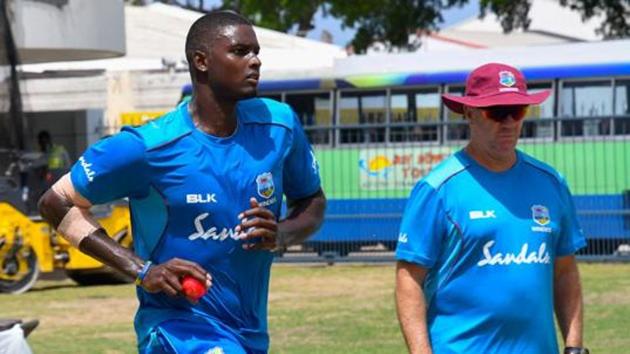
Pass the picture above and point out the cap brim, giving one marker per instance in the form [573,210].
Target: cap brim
[457,103]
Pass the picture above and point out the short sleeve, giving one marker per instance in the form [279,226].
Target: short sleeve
[111,169]
[301,170]
[571,237]
[422,227]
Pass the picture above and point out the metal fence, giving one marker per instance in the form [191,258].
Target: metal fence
[368,171]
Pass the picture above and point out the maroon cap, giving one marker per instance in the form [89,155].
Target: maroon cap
[494,84]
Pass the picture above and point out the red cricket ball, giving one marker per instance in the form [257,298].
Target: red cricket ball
[193,288]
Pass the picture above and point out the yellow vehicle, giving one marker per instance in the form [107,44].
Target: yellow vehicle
[29,246]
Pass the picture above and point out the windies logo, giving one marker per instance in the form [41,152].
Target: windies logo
[506,78]
[215,350]
[540,214]
[265,185]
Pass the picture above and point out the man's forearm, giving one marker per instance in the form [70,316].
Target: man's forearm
[102,247]
[69,214]
[411,308]
[568,302]
[305,216]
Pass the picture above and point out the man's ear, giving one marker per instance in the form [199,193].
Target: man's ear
[200,61]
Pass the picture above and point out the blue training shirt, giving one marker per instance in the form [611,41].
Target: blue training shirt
[489,240]
[186,189]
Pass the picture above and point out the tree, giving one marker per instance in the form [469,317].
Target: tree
[281,15]
[616,13]
[392,21]
[389,21]
[514,14]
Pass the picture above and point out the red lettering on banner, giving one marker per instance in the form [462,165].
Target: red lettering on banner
[430,158]
[402,159]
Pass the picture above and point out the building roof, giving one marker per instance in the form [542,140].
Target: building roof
[551,23]
[155,37]
[558,55]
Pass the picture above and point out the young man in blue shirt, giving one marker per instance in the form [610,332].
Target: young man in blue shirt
[205,185]
[487,241]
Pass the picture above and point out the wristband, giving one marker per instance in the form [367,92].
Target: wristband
[143,272]
[576,350]
[281,243]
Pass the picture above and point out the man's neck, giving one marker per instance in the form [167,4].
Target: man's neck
[492,162]
[211,115]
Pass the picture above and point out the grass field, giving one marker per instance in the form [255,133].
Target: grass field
[313,309]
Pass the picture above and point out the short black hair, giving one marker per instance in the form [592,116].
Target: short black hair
[204,30]
[44,134]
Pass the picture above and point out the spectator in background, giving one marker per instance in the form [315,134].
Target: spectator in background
[56,155]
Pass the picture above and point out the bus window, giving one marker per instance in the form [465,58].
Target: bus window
[362,108]
[411,107]
[583,102]
[315,113]
[457,128]
[622,107]
[538,122]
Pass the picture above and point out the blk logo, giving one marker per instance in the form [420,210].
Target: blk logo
[201,198]
[482,214]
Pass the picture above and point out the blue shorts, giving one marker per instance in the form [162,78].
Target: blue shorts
[181,337]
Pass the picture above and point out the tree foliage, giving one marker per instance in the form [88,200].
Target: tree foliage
[391,21]
[616,13]
[281,15]
[387,21]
